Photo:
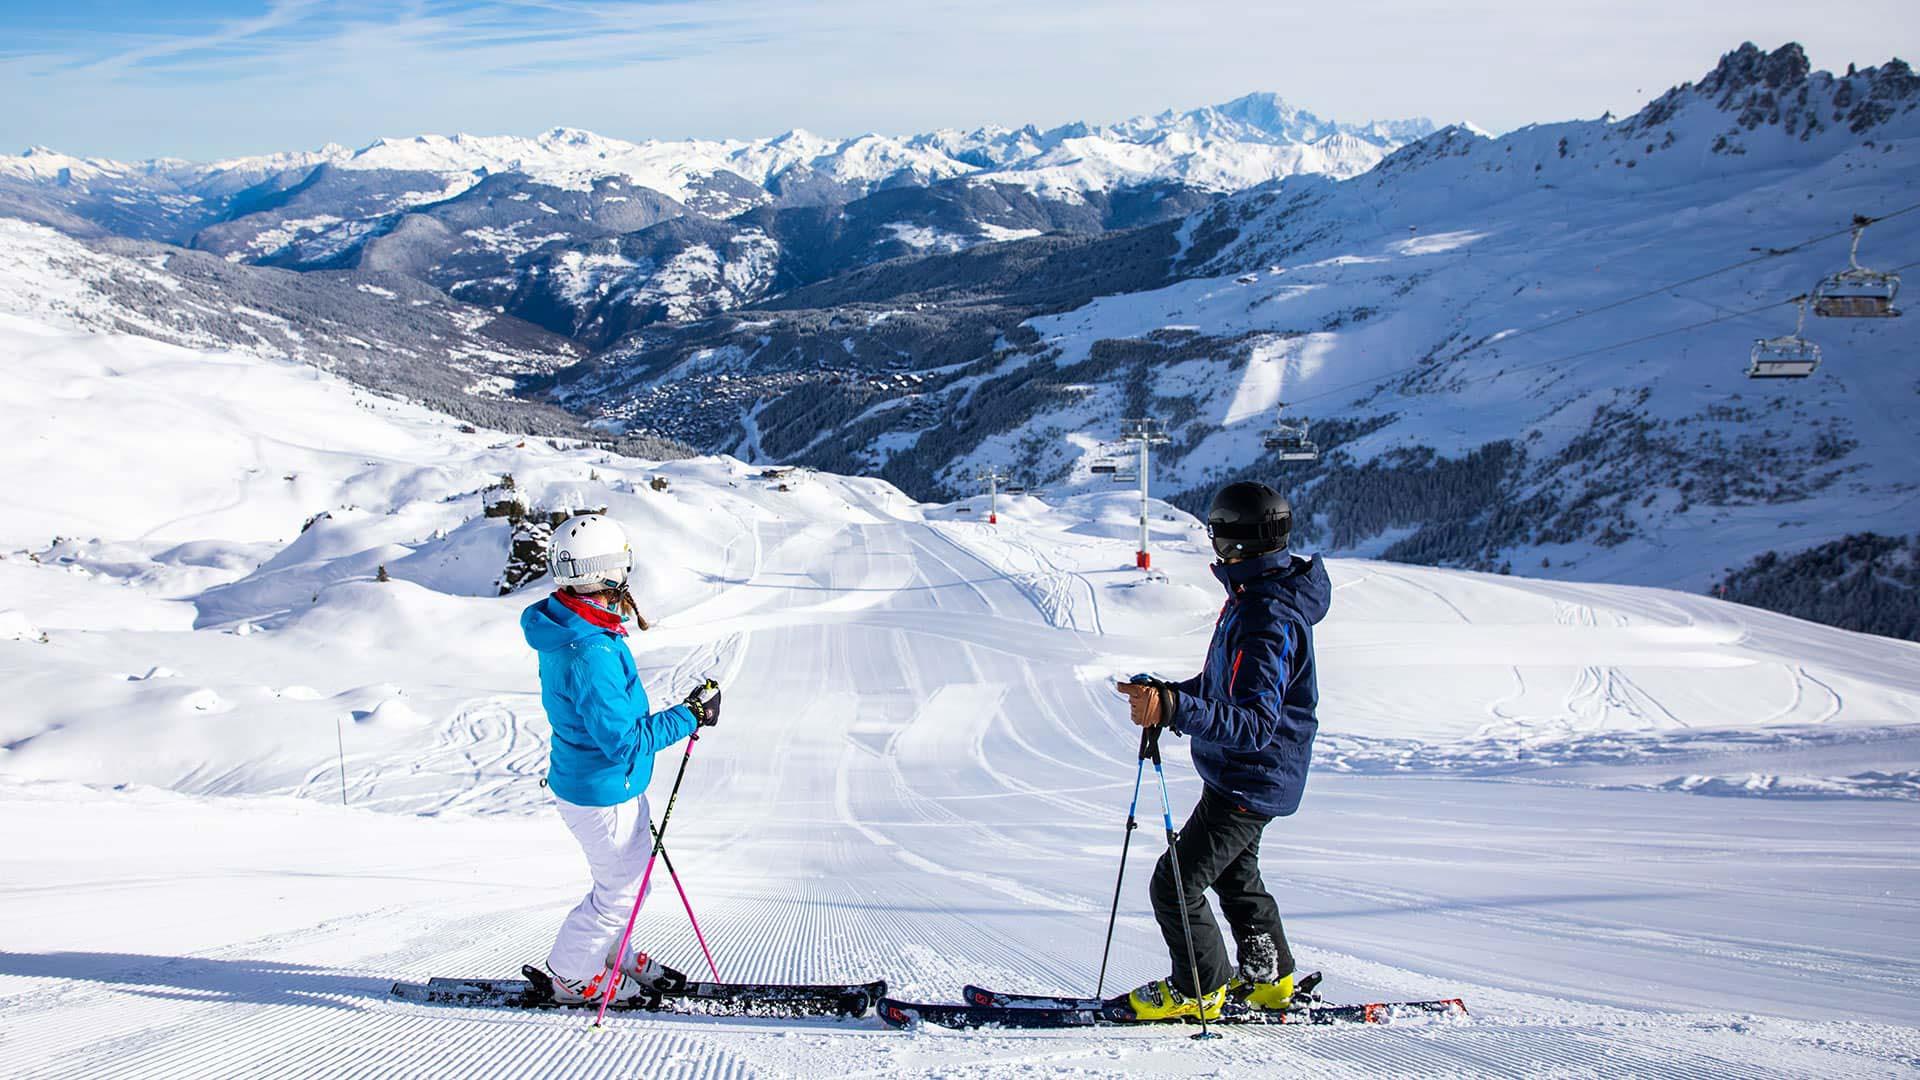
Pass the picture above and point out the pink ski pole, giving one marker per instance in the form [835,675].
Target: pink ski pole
[688,904]
[659,838]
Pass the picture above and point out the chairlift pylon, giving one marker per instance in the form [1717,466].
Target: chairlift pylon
[1788,356]
[1857,292]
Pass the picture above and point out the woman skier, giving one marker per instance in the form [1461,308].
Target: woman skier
[604,739]
[1250,714]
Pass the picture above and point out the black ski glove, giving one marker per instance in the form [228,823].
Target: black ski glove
[704,703]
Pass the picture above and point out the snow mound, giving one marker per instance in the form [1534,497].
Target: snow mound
[1866,785]
[14,626]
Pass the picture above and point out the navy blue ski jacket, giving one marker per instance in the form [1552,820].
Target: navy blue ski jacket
[1250,712]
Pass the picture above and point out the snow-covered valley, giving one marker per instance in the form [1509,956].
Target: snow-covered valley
[1639,831]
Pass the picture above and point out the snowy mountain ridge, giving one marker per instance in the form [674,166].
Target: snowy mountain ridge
[1753,113]
[504,220]
[1206,147]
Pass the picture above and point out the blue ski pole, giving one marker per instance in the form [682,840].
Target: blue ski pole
[1179,884]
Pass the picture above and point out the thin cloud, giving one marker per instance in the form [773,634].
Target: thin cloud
[279,14]
[305,72]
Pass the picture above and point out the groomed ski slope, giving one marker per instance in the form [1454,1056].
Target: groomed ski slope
[1640,832]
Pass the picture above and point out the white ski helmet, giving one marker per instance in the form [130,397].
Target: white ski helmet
[589,553]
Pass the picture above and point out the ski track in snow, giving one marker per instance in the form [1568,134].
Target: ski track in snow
[872,770]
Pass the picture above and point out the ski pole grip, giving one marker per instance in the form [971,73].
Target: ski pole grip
[1150,744]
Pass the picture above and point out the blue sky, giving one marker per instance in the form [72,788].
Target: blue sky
[208,78]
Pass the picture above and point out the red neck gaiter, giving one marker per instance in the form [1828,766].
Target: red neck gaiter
[592,612]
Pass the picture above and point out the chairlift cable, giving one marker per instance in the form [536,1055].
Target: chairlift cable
[1650,337]
[1769,253]
[1382,377]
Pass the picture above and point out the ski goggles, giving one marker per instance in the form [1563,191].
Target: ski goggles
[566,566]
[1273,529]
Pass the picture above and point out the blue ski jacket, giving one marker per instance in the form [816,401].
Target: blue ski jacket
[604,737]
[1250,711]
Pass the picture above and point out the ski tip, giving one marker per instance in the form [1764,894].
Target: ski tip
[1392,1011]
[893,1014]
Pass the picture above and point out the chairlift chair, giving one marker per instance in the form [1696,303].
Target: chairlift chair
[1289,442]
[1103,468]
[1857,292]
[1788,356]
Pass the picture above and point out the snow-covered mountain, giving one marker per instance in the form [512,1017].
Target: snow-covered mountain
[1479,328]
[503,219]
[382,330]
[1464,325]
[1218,148]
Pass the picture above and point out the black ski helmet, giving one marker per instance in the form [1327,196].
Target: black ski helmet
[1249,518]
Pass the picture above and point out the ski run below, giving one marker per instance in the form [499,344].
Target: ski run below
[1639,832]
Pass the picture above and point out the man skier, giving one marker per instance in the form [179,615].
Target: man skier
[1250,716]
[604,739]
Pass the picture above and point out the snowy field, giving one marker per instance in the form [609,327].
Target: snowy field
[1640,832]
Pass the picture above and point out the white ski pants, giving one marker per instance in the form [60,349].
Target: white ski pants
[616,842]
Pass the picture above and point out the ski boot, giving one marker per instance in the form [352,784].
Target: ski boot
[1276,995]
[1159,1000]
[1258,984]
[650,973]
[557,988]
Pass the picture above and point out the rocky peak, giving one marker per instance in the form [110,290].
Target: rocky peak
[1781,89]
[1748,66]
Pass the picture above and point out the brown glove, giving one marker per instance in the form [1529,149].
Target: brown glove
[1146,701]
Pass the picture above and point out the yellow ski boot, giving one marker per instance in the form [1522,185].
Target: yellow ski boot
[1263,995]
[1258,983]
[1160,1001]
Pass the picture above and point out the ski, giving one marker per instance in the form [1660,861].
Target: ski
[775,1000]
[985,1007]
[905,1013]
[900,1014]
[1305,994]
[980,995]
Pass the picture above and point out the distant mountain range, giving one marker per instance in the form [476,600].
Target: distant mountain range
[1225,147]
[592,237]
[1523,352]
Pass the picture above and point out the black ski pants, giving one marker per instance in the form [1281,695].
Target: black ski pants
[1220,850]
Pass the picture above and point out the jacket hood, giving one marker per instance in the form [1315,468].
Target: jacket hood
[548,625]
[1299,584]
